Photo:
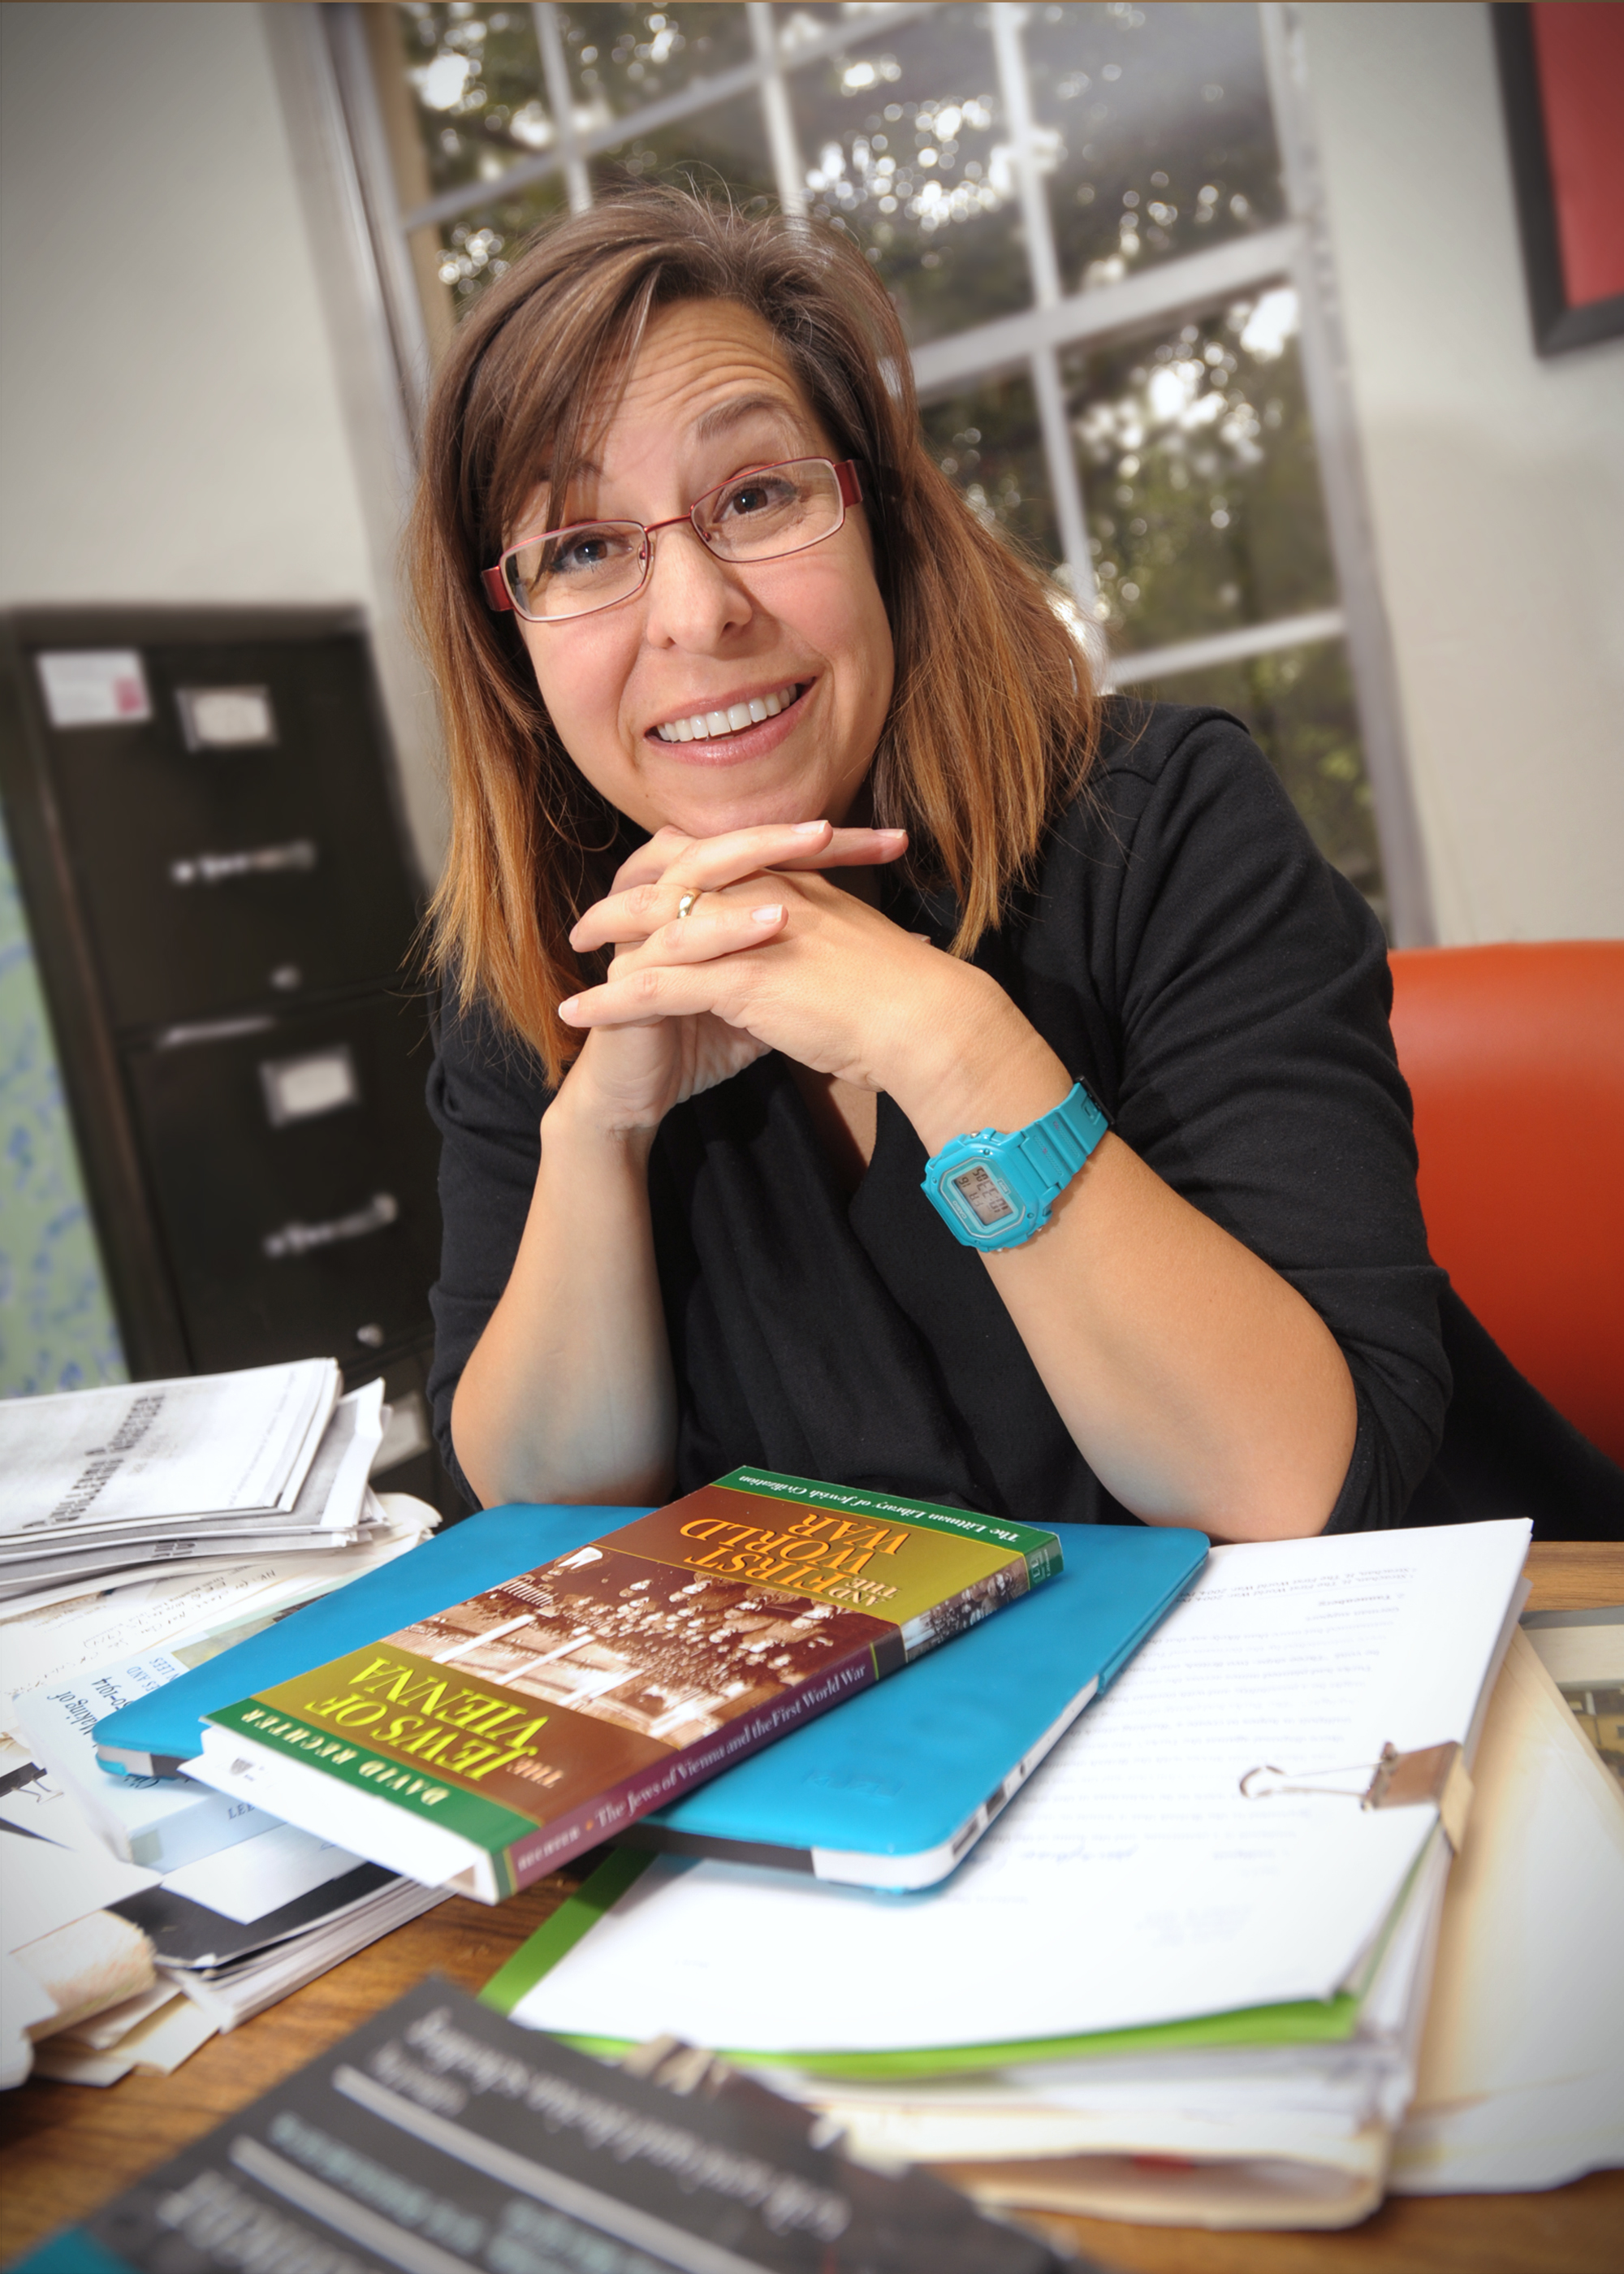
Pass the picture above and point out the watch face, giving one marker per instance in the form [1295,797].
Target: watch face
[981,1198]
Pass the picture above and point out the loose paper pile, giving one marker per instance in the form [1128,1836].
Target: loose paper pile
[211,1467]
[1521,2068]
[1139,1960]
[140,1915]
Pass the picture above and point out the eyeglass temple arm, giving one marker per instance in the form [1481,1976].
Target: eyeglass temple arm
[499,599]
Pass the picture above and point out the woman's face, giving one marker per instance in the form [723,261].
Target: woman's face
[709,396]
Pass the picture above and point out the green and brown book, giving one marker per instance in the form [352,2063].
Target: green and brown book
[481,1747]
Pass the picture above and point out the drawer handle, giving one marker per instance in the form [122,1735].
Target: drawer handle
[260,861]
[299,1238]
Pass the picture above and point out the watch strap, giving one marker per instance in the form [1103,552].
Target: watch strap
[1056,1144]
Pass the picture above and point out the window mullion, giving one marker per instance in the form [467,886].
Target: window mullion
[1064,486]
[1040,258]
[1237,646]
[560,101]
[1065,482]
[775,104]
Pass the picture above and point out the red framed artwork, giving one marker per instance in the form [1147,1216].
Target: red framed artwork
[1561,73]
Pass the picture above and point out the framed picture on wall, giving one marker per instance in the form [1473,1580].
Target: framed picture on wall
[1561,73]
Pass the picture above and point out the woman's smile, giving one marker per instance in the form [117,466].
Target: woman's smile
[732,715]
[735,728]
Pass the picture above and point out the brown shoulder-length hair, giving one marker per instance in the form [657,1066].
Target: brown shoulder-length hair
[992,723]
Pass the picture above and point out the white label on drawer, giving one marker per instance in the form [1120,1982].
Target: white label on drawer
[226,718]
[93,687]
[296,1088]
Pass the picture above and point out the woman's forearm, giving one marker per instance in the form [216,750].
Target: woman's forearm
[1198,1384]
[569,1395]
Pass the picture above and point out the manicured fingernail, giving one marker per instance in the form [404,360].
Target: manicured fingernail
[809,828]
[568,1010]
[773,915]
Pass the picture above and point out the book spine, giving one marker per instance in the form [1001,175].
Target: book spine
[1043,1561]
[611,1811]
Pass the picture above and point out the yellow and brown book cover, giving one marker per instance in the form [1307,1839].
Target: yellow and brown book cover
[540,1717]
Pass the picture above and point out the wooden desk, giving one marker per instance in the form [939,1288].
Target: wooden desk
[64,2148]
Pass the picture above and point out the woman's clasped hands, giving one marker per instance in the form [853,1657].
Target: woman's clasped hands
[726,947]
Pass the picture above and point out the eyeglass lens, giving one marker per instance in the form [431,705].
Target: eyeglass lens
[756,516]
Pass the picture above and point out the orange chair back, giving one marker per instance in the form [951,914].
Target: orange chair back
[1515,1056]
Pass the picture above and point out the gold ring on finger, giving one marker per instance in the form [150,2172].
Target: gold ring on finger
[685,906]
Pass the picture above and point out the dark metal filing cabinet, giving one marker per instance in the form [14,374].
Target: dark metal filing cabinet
[204,815]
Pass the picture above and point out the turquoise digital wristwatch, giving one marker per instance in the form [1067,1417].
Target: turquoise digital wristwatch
[996,1188]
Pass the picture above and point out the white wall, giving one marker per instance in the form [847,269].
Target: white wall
[174,425]
[1495,480]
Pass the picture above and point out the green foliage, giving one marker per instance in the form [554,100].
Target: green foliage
[987,439]
[1202,479]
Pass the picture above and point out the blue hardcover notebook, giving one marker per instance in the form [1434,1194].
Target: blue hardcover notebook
[894,1788]
[888,1789]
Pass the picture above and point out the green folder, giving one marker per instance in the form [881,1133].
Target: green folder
[1305,2022]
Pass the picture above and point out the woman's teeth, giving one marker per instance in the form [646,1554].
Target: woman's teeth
[709,726]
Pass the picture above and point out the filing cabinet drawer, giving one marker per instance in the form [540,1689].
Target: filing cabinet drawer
[236,842]
[293,1167]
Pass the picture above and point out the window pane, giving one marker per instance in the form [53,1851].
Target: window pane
[1160,134]
[723,146]
[621,58]
[989,442]
[477,248]
[904,143]
[476,83]
[1201,475]
[1298,704]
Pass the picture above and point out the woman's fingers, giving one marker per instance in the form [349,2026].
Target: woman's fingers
[639,995]
[718,927]
[709,861]
[852,849]
[651,886]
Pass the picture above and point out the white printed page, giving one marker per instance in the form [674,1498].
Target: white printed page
[198,1445]
[1132,1882]
[255,1877]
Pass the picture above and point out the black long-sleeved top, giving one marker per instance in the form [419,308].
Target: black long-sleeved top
[1223,991]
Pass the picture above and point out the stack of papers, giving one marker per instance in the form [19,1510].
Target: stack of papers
[236,1481]
[1522,2067]
[65,1955]
[1187,1938]
[251,1924]
[99,1948]
[133,1478]
[149,2035]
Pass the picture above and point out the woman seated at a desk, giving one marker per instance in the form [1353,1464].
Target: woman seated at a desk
[794,854]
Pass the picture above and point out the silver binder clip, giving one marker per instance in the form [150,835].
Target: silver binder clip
[1434,1773]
